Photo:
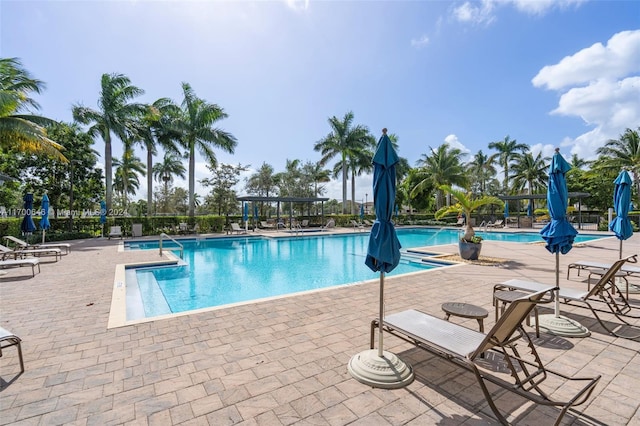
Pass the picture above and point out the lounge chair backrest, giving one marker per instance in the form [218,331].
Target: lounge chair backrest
[16,241]
[509,322]
[5,249]
[608,276]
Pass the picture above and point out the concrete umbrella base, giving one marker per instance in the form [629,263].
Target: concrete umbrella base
[562,326]
[386,372]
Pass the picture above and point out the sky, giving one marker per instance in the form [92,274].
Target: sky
[548,73]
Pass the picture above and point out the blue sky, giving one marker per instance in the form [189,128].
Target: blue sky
[547,73]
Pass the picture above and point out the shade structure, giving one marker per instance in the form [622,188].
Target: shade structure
[27,226]
[380,368]
[103,216]
[559,235]
[44,220]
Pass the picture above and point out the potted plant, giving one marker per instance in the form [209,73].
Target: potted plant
[470,243]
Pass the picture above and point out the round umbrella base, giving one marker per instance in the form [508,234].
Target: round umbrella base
[386,372]
[562,326]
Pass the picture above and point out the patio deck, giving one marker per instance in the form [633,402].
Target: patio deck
[282,361]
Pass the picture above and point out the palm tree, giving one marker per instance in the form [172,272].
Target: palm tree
[443,167]
[481,169]
[149,131]
[193,129]
[577,162]
[165,171]
[507,149]
[345,140]
[115,115]
[317,174]
[24,132]
[623,153]
[467,204]
[126,177]
[530,173]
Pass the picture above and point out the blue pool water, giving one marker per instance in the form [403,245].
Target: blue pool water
[221,271]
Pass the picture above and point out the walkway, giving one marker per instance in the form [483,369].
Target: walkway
[282,361]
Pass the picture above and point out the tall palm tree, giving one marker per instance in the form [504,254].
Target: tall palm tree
[344,140]
[194,130]
[115,115]
[530,172]
[507,149]
[22,131]
[148,130]
[443,167]
[126,178]
[481,169]
[623,153]
[577,162]
[165,171]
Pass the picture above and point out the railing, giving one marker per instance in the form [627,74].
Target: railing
[179,245]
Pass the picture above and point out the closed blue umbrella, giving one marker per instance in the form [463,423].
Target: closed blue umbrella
[245,216]
[27,226]
[397,212]
[103,216]
[530,209]
[506,209]
[383,369]
[559,235]
[255,215]
[621,224]
[362,211]
[44,220]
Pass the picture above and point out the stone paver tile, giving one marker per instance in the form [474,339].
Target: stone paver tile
[338,415]
[206,405]
[155,404]
[37,408]
[256,405]
[363,404]
[60,417]
[225,416]
[181,413]
[307,405]
[264,385]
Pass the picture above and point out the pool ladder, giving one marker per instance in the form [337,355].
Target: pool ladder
[162,235]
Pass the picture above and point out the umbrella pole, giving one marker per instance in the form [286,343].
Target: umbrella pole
[380,350]
[43,232]
[557,285]
[620,249]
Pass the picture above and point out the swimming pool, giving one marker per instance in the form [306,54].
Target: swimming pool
[221,271]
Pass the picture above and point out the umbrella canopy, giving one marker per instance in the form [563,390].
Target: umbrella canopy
[506,209]
[558,233]
[382,369]
[27,226]
[103,212]
[383,253]
[621,225]
[44,220]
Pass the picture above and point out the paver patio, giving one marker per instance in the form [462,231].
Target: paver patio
[281,361]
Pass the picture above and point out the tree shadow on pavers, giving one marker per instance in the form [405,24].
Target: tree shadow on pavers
[447,381]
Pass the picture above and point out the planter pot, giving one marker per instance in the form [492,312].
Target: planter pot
[469,251]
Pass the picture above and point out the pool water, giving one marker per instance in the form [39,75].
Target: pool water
[221,271]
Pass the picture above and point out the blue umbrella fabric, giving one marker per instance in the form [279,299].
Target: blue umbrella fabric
[506,209]
[245,216]
[383,253]
[255,215]
[103,216]
[27,226]
[558,233]
[621,224]
[44,220]
[362,211]
[530,209]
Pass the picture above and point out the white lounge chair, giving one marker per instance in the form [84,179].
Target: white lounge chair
[8,339]
[236,228]
[6,252]
[330,224]
[266,225]
[65,247]
[16,263]
[115,231]
[464,347]
[497,224]
[357,225]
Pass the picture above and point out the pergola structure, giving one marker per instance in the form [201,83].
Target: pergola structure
[531,197]
[290,200]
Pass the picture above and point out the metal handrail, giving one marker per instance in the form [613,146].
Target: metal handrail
[172,239]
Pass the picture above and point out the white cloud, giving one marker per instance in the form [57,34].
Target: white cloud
[597,85]
[420,42]
[484,12]
[475,13]
[298,5]
[453,142]
[619,58]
